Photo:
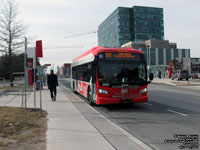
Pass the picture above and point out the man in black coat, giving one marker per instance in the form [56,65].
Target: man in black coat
[52,83]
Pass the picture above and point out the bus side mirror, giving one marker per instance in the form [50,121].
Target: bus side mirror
[151,76]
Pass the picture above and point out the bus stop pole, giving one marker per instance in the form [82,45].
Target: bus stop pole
[40,95]
[34,71]
[23,92]
[25,81]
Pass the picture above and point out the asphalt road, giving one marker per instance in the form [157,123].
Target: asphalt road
[170,111]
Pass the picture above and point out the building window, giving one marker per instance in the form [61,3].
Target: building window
[168,55]
[183,53]
[175,53]
[145,53]
[160,56]
[153,56]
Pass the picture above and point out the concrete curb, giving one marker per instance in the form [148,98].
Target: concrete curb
[3,91]
[167,83]
[173,84]
[132,137]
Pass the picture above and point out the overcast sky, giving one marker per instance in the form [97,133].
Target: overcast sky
[52,20]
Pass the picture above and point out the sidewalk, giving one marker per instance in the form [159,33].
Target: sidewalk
[192,84]
[68,128]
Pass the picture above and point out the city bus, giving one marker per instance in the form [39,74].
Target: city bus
[110,76]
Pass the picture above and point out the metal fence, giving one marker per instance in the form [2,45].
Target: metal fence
[2,82]
[17,88]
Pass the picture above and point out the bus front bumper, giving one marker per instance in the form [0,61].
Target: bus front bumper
[105,100]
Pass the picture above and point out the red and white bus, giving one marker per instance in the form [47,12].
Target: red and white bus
[110,76]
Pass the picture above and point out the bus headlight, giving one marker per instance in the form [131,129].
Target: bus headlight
[143,90]
[101,91]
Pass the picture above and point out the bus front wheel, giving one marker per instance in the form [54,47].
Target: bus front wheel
[89,98]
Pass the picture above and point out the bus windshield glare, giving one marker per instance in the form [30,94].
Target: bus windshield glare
[123,71]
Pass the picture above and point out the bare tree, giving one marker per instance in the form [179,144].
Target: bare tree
[11,32]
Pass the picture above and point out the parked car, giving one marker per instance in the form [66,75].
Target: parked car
[195,76]
[182,74]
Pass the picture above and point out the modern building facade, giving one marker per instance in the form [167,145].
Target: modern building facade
[65,70]
[131,24]
[158,54]
[161,51]
[195,65]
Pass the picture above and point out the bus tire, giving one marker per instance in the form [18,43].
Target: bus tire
[73,88]
[89,98]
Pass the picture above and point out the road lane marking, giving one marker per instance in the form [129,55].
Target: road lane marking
[177,112]
[148,104]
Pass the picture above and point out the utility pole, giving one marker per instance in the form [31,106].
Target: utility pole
[91,32]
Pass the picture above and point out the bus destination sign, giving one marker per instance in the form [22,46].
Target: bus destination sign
[119,55]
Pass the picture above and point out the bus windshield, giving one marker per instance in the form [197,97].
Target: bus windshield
[124,72]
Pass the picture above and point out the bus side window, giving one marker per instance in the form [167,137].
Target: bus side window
[74,73]
[85,76]
[79,73]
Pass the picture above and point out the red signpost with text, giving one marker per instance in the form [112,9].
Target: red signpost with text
[30,73]
[39,52]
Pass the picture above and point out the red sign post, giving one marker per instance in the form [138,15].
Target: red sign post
[30,73]
[39,52]
[170,70]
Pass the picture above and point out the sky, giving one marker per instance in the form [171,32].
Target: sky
[53,20]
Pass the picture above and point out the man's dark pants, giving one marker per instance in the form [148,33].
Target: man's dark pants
[53,92]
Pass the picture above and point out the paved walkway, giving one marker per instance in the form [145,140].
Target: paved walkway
[68,128]
[192,84]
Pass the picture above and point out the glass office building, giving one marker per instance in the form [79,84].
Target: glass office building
[115,30]
[108,31]
[141,28]
[147,23]
[131,24]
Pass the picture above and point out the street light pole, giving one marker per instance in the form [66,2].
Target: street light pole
[188,68]
[148,58]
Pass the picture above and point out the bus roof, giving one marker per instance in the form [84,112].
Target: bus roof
[98,49]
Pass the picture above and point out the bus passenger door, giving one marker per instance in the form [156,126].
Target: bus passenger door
[76,85]
[93,82]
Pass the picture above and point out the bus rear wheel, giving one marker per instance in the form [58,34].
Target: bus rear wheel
[89,98]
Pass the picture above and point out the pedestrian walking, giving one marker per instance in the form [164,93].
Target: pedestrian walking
[52,82]
[159,74]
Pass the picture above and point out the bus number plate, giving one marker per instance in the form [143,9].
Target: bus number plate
[124,90]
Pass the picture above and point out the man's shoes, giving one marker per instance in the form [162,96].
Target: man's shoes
[54,98]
